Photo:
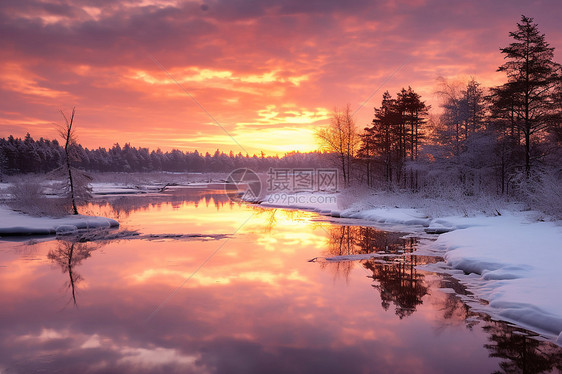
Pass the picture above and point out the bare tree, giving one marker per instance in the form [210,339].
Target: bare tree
[77,181]
[341,138]
[68,135]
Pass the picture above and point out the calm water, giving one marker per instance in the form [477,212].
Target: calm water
[209,286]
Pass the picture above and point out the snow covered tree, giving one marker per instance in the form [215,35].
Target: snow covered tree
[463,114]
[475,106]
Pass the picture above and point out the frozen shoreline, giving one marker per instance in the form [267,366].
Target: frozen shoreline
[510,260]
[13,223]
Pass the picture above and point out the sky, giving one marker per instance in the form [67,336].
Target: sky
[239,75]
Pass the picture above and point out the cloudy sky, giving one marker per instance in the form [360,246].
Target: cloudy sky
[183,74]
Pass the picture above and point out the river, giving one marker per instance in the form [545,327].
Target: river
[200,284]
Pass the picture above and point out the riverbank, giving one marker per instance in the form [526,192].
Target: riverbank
[508,257]
[13,223]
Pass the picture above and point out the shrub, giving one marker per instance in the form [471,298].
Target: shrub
[28,196]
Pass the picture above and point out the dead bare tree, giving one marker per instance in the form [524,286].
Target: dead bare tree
[77,182]
[68,135]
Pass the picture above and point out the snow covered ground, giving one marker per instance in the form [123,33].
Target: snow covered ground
[514,264]
[104,188]
[115,188]
[512,260]
[14,223]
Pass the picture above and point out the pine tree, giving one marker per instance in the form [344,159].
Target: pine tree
[528,98]
[385,132]
[395,135]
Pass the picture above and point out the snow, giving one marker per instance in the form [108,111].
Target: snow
[330,204]
[104,188]
[512,263]
[510,260]
[357,257]
[402,216]
[115,188]
[14,223]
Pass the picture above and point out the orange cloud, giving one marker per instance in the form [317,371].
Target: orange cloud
[14,78]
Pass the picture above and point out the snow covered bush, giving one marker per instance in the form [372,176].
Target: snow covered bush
[542,191]
[28,196]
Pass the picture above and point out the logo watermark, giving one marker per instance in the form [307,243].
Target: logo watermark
[243,184]
[287,186]
[296,199]
[302,180]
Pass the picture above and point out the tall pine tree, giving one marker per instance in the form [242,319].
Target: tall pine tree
[528,99]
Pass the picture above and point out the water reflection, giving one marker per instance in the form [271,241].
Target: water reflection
[257,306]
[396,278]
[122,206]
[520,352]
[399,283]
[68,255]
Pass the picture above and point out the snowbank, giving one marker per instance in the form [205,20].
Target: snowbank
[514,264]
[116,188]
[402,216]
[103,188]
[330,204]
[14,223]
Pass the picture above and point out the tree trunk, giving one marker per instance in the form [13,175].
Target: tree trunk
[69,140]
[343,170]
[527,154]
[74,209]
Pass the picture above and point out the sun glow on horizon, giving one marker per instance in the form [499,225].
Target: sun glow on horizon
[288,139]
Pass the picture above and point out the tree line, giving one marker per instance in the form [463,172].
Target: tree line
[28,155]
[493,140]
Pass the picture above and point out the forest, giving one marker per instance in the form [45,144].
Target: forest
[503,140]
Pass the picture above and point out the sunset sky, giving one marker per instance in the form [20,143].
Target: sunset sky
[268,72]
